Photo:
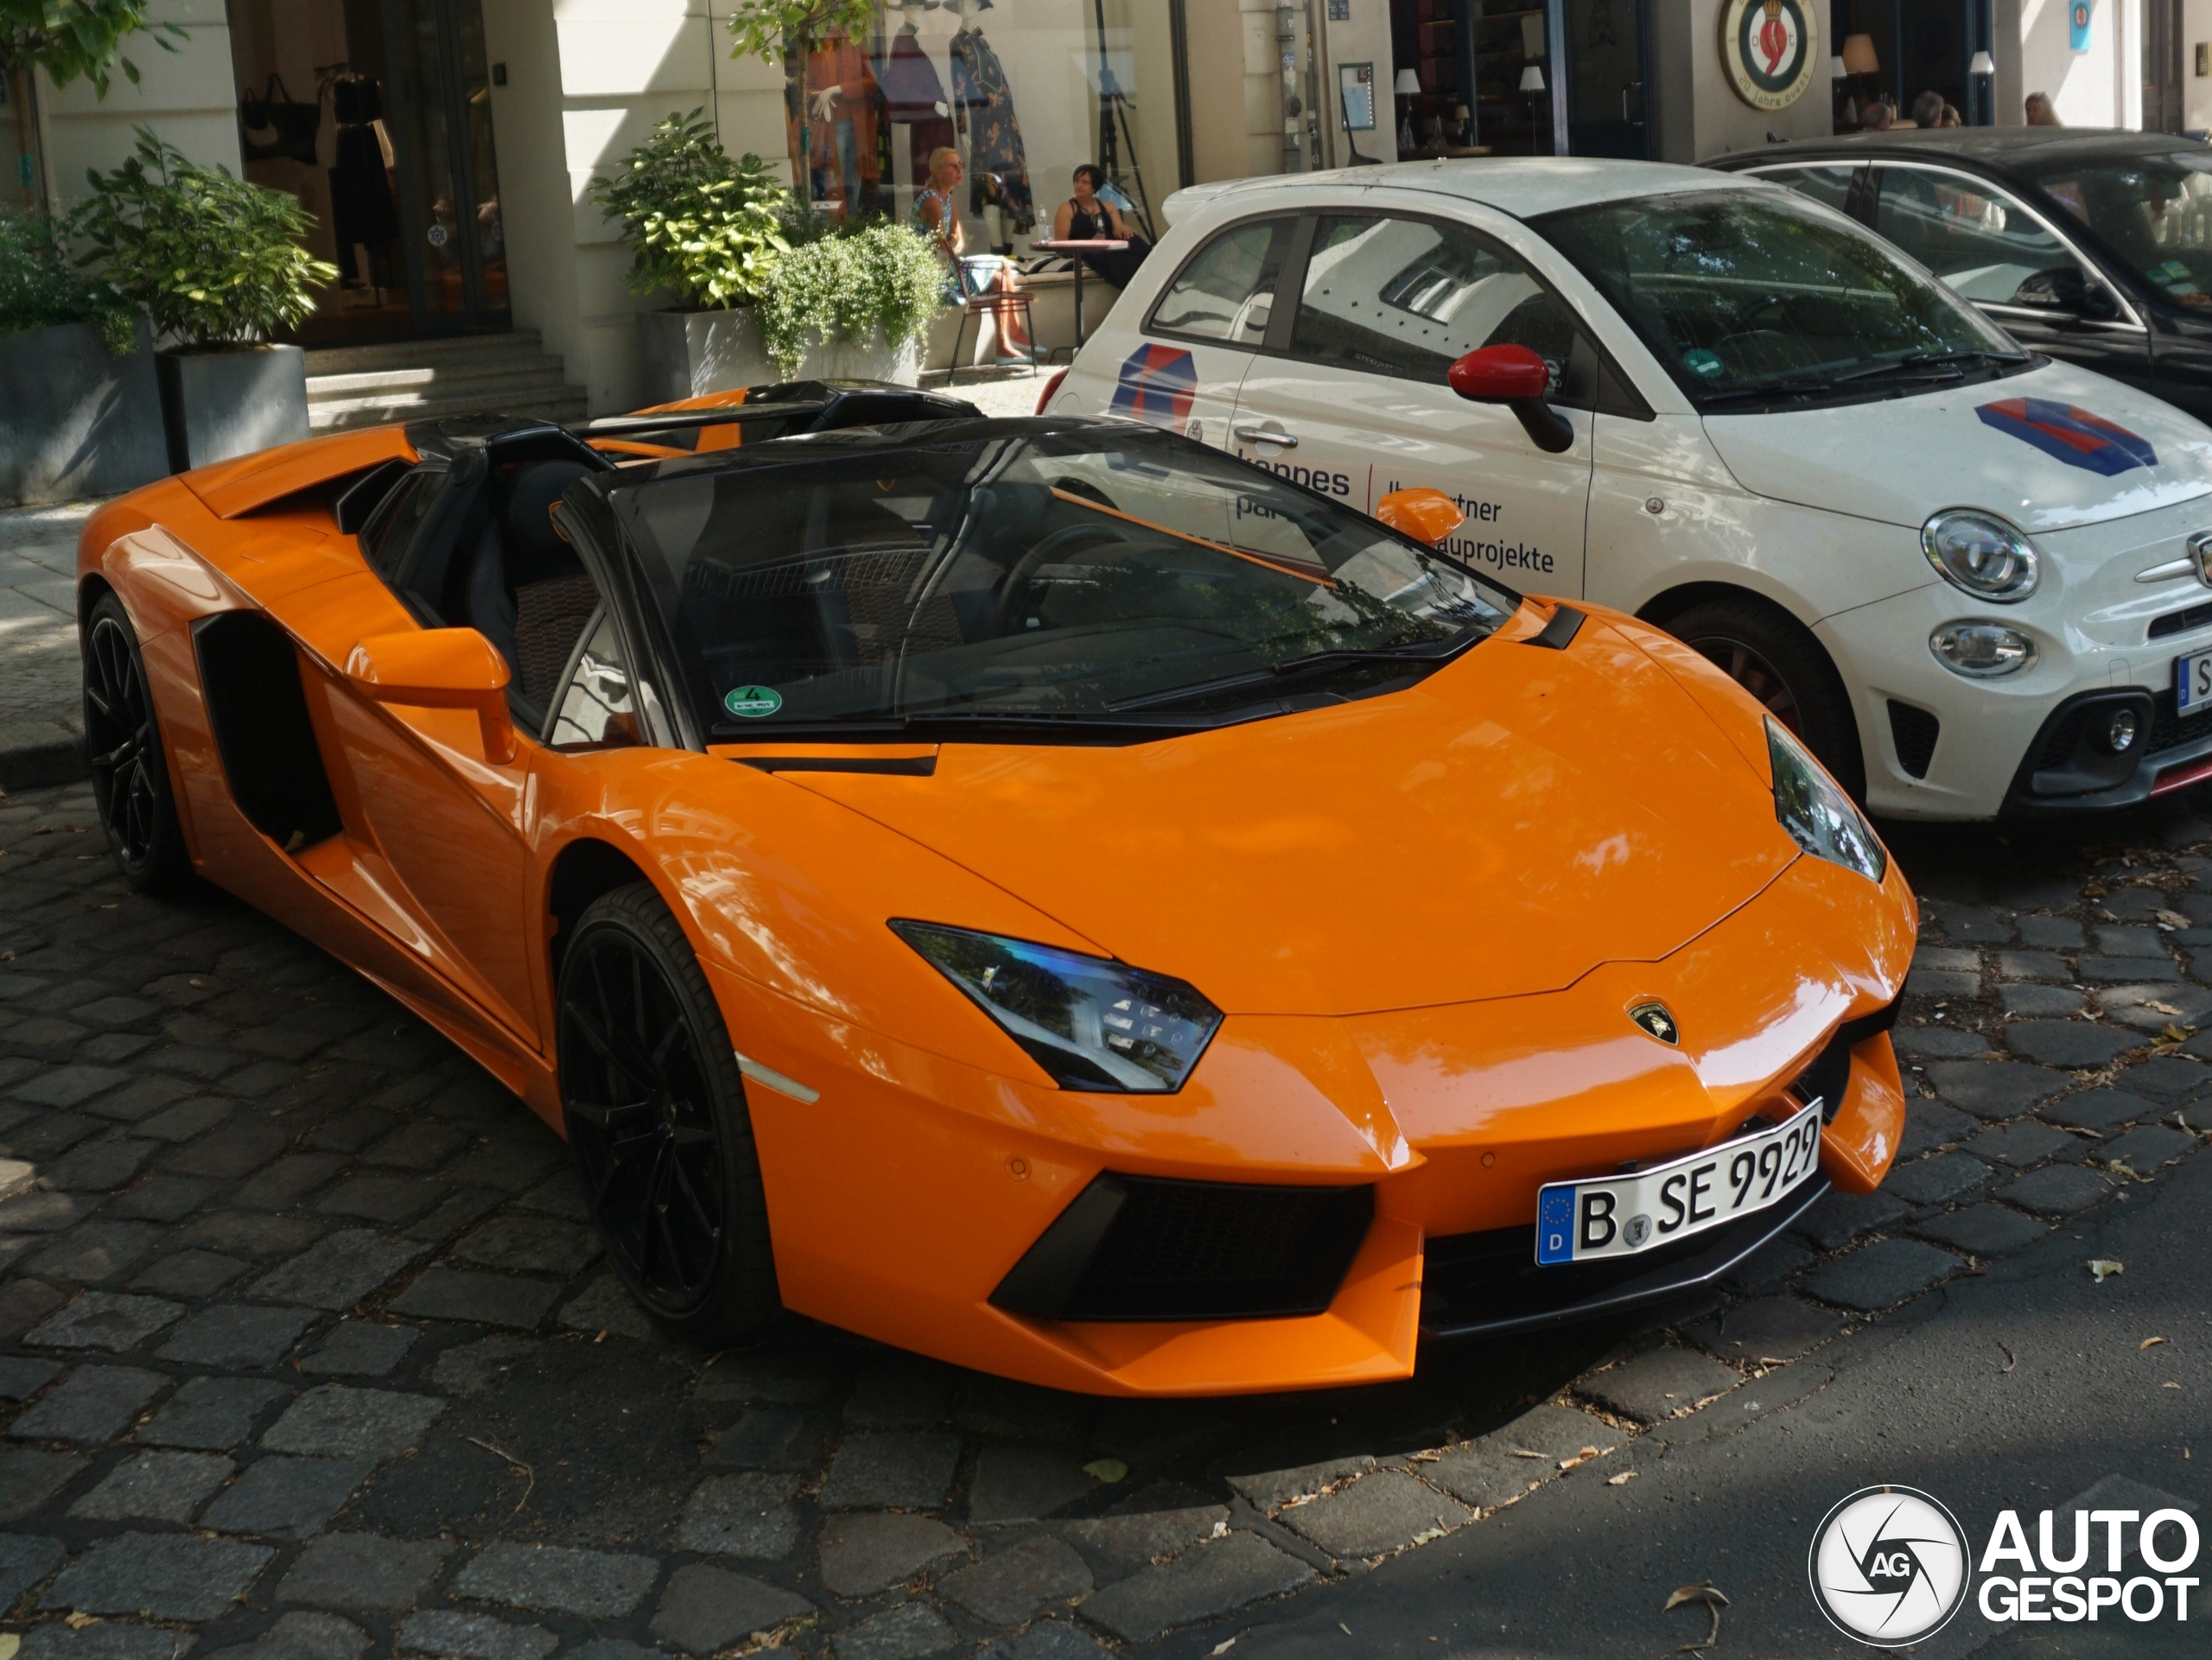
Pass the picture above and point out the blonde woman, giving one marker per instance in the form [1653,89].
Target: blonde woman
[937,216]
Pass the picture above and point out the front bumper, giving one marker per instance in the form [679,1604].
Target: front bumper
[1489,1285]
[1938,745]
[903,1200]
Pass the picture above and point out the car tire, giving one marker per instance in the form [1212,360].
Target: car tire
[1775,657]
[655,1110]
[130,770]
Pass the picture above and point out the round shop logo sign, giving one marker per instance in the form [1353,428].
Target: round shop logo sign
[1888,1565]
[1771,50]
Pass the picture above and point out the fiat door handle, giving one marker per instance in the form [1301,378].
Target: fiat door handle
[1269,434]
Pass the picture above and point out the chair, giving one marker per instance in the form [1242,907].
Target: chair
[1001,303]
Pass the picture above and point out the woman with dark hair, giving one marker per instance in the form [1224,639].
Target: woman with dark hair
[1088,216]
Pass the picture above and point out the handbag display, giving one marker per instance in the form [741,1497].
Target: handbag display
[275,126]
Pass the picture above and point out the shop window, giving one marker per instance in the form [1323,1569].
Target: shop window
[1023,90]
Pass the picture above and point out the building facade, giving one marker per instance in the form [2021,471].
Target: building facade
[445,147]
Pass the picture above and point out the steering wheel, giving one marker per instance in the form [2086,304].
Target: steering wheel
[1015,589]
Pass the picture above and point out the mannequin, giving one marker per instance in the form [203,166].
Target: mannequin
[913,96]
[845,105]
[998,169]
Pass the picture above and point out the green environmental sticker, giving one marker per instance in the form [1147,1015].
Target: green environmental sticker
[751,703]
[1702,362]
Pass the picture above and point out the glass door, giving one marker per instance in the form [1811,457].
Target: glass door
[1606,105]
[447,164]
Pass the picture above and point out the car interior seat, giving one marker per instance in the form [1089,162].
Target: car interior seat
[528,592]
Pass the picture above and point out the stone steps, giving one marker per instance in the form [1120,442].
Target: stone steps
[415,380]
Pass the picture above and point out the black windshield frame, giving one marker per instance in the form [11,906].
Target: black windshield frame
[757,474]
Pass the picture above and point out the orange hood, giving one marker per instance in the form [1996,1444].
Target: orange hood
[1521,817]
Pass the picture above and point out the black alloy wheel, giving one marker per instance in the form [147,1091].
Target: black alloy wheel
[122,741]
[1775,657]
[656,1113]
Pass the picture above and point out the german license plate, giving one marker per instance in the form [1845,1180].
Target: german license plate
[1619,1216]
[2192,681]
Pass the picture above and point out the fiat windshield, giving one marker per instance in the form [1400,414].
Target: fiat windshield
[1753,299]
[1051,577]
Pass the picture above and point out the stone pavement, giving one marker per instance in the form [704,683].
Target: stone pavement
[313,1356]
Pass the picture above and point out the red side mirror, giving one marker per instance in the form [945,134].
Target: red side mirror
[1500,374]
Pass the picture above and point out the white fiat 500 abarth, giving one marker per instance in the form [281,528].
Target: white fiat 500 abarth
[1974,580]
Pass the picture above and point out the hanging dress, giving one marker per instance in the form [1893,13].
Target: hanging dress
[994,152]
[912,96]
[361,190]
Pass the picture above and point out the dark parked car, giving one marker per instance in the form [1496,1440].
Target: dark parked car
[2093,246]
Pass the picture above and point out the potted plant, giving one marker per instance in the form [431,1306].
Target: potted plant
[853,303]
[216,262]
[80,411]
[707,228]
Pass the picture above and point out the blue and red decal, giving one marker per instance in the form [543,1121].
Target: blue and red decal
[2070,435]
[1156,385]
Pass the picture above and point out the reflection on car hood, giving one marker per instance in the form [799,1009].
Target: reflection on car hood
[2018,446]
[1519,818]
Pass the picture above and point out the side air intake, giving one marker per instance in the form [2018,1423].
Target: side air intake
[1143,1248]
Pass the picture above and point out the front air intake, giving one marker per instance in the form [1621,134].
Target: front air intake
[1144,1247]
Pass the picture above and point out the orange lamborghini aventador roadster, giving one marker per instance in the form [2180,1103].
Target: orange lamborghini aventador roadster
[1038,891]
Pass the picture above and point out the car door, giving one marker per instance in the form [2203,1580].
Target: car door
[1992,248]
[1354,403]
[1178,365]
[443,821]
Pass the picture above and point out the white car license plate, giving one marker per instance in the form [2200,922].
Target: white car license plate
[1619,1216]
[2192,681]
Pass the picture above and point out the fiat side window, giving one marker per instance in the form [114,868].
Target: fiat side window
[1227,292]
[1408,296]
[1978,239]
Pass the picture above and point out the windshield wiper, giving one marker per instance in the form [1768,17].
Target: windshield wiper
[965,724]
[1417,652]
[1768,389]
[1944,364]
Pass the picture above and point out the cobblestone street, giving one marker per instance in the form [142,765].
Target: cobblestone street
[309,1354]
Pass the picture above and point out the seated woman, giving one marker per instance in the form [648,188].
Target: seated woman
[1090,216]
[967,276]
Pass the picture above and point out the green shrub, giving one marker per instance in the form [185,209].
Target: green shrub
[702,224]
[38,289]
[214,260]
[846,286]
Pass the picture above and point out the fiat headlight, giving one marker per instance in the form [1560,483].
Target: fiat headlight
[1091,1022]
[1814,809]
[1982,554]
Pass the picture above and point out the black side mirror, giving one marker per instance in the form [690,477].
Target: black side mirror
[2067,292]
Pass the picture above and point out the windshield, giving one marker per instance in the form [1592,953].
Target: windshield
[1749,296]
[2155,211]
[1030,571]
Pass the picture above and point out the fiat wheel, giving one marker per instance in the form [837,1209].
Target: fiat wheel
[656,1114]
[1775,657]
[122,741]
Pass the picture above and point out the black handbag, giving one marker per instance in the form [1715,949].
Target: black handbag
[274,126]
